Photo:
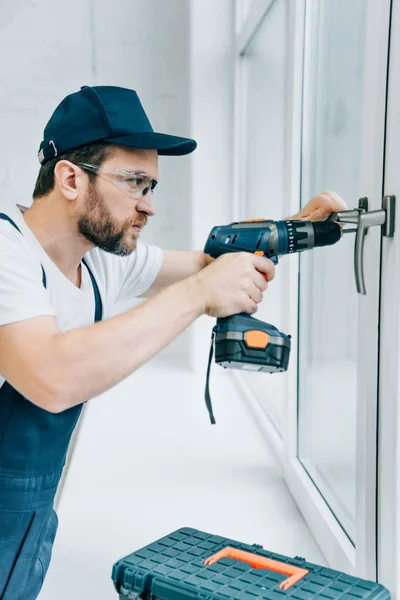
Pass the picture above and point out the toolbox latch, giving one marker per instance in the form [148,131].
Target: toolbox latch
[133,584]
[129,594]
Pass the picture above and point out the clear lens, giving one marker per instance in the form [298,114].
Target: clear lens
[136,185]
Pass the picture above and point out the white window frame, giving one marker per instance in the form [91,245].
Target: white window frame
[389,387]
[337,548]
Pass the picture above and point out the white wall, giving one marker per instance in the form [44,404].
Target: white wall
[51,48]
[211,94]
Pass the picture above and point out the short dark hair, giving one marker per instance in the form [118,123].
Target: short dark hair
[95,153]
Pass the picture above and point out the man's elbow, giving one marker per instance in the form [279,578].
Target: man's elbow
[49,393]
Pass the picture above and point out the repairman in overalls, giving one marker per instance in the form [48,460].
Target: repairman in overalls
[64,262]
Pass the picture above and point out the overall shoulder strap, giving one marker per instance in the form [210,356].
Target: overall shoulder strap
[98,310]
[5,217]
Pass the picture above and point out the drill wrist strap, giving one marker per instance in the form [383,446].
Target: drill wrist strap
[207,390]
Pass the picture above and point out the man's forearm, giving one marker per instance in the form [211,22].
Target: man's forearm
[90,360]
[178,265]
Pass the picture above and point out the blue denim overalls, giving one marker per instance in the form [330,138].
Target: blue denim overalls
[33,448]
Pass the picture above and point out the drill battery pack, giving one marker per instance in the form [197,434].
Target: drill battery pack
[243,342]
[192,565]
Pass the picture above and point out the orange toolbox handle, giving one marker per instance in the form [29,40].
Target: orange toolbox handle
[261,562]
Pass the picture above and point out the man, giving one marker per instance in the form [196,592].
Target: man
[63,263]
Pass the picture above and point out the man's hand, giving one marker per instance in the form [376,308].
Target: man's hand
[321,207]
[233,283]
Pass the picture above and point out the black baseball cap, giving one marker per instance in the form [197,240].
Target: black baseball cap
[105,114]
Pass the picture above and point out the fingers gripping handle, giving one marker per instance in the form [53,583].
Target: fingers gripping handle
[261,562]
[259,253]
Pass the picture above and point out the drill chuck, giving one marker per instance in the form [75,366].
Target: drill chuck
[325,234]
[305,235]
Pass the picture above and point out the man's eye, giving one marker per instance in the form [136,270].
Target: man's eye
[134,181]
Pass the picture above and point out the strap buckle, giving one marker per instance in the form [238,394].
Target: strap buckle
[44,153]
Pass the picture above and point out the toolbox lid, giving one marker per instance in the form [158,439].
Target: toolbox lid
[173,568]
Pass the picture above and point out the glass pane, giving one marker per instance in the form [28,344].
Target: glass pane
[332,137]
[266,66]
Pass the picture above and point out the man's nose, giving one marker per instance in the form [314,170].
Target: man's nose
[146,204]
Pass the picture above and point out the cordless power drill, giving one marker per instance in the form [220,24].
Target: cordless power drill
[241,341]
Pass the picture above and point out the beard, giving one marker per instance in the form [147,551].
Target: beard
[97,225]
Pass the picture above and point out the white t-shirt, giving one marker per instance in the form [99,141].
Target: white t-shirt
[23,296]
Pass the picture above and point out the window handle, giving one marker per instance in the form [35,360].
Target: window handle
[364,219]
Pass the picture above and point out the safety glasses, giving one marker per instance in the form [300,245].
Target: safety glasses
[134,183]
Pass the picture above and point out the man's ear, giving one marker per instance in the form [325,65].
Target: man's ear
[68,178]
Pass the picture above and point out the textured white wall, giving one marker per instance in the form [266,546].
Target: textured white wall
[51,48]
[211,86]
[175,53]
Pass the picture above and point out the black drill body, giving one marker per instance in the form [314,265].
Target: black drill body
[237,346]
[241,341]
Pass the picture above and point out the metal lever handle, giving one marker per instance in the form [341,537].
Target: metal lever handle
[364,220]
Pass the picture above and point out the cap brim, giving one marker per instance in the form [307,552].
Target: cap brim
[169,145]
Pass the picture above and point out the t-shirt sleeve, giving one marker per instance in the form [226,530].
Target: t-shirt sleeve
[22,293]
[140,271]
